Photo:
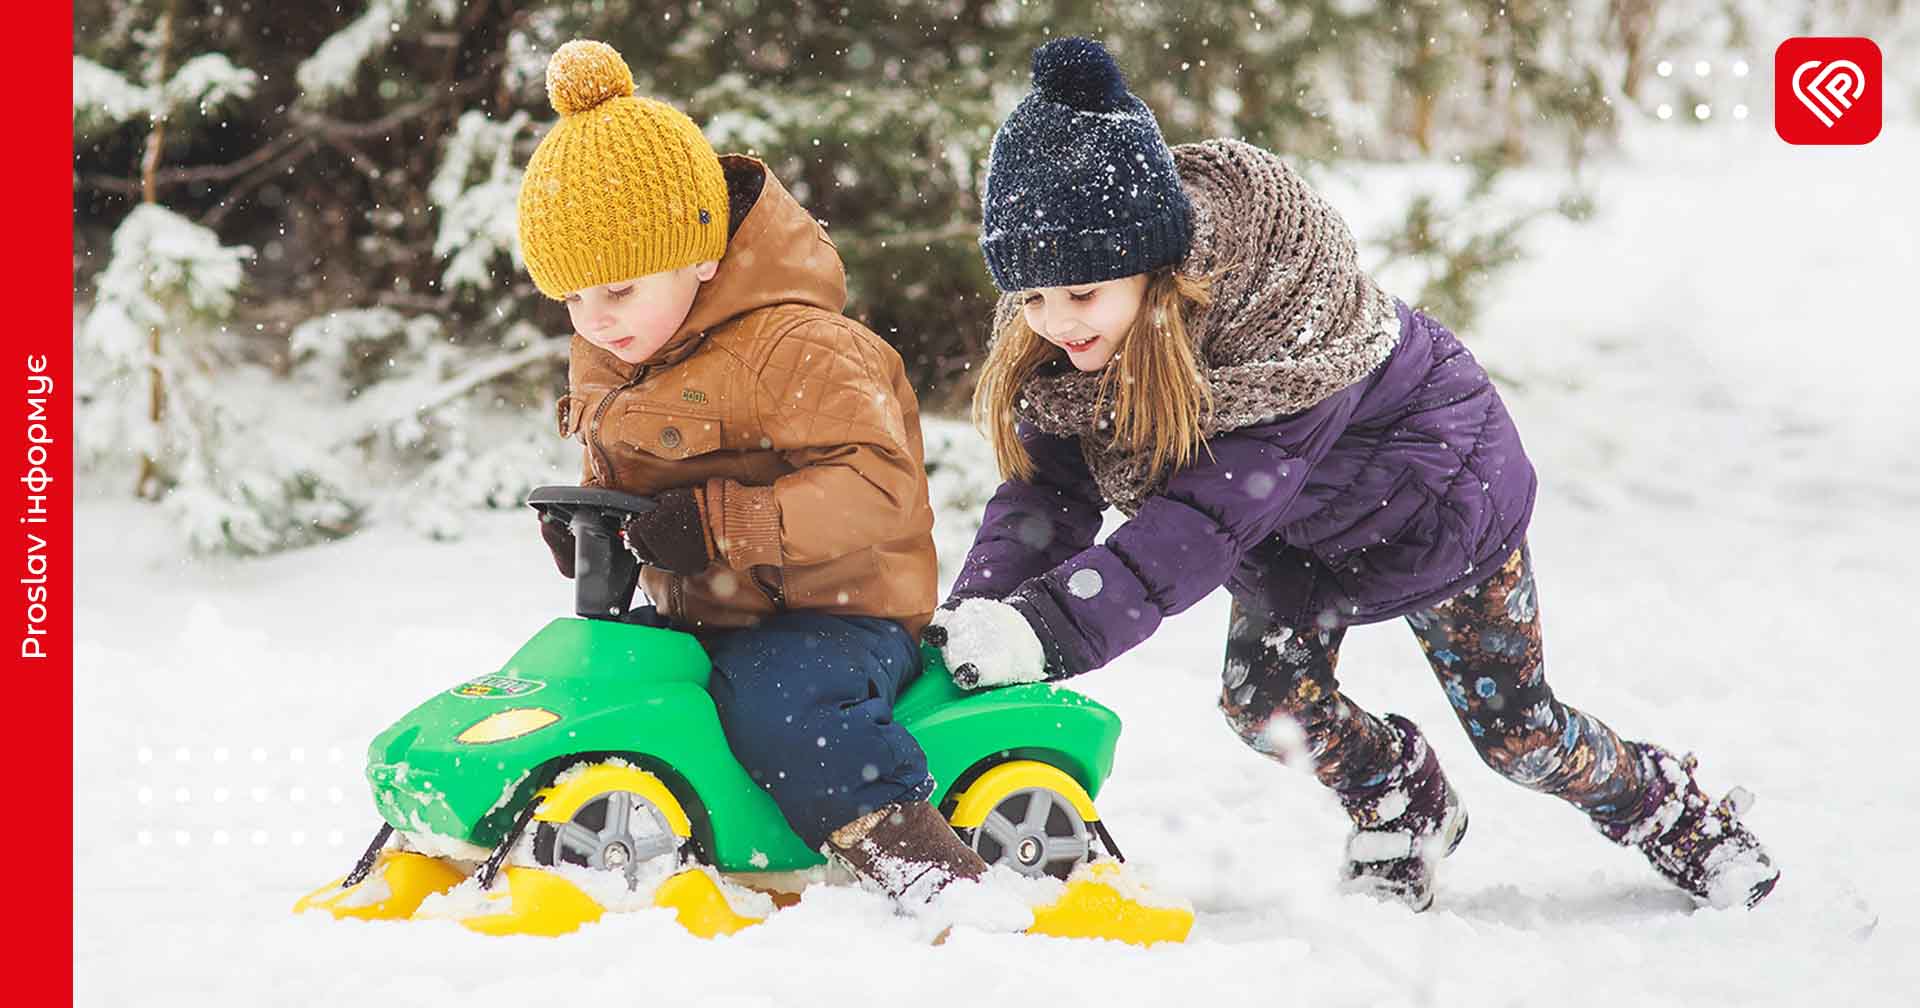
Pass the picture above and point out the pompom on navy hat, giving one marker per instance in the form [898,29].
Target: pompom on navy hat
[1080,184]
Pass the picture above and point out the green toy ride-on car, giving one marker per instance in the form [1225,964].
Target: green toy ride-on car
[597,749]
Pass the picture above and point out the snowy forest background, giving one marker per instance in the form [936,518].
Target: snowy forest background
[299,308]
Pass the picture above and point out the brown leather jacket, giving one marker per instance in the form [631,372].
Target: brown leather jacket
[794,425]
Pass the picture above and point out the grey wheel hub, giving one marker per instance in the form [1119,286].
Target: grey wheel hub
[1034,831]
[617,831]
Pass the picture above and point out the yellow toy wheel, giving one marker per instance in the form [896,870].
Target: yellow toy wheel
[1030,816]
[608,817]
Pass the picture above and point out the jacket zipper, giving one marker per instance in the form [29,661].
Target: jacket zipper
[675,587]
[604,464]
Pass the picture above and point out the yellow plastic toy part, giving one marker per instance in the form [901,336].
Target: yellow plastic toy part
[1093,908]
[541,902]
[559,802]
[699,906]
[996,784]
[538,902]
[408,878]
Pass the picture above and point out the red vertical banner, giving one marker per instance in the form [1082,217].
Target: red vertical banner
[37,369]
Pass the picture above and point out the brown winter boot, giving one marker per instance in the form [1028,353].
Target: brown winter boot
[908,851]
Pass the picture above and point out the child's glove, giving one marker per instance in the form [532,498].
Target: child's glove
[672,536]
[986,642]
[559,537]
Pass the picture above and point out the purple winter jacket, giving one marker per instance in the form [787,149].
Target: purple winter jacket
[1395,493]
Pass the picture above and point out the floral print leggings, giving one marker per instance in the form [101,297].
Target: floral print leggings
[1281,696]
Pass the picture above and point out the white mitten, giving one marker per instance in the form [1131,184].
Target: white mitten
[987,642]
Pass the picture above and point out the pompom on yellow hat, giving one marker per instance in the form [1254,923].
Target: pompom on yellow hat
[621,186]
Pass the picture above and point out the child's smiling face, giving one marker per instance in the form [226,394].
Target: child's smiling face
[633,318]
[1088,321]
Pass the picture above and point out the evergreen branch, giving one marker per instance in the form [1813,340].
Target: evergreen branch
[307,119]
[430,304]
[268,170]
[306,125]
[356,158]
[442,392]
[195,173]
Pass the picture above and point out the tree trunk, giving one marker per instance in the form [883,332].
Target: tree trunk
[1634,19]
[146,483]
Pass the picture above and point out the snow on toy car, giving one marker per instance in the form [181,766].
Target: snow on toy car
[597,749]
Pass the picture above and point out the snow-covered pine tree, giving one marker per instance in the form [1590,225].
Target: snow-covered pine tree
[374,164]
[434,402]
[436,376]
[158,388]
[1332,84]
[423,385]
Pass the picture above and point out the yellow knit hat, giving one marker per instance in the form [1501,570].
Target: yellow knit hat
[621,186]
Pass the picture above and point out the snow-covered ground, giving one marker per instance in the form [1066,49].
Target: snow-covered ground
[1716,379]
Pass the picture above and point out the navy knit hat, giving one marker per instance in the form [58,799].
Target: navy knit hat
[1080,185]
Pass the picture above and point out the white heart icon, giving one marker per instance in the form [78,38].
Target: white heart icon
[1832,91]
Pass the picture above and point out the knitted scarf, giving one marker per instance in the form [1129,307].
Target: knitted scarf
[1293,318]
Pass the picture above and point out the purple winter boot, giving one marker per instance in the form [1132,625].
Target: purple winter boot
[1403,826]
[1700,848]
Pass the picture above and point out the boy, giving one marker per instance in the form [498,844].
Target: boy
[712,370]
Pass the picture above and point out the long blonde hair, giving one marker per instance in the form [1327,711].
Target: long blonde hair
[1153,386]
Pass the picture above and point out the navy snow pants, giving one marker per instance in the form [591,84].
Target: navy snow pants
[806,701]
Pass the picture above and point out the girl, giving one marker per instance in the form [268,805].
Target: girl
[1187,336]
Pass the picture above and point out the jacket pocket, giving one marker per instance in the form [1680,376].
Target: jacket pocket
[669,435]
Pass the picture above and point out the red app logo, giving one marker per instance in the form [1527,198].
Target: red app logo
[1826,90]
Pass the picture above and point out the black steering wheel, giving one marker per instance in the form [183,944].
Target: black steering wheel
[604,570]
